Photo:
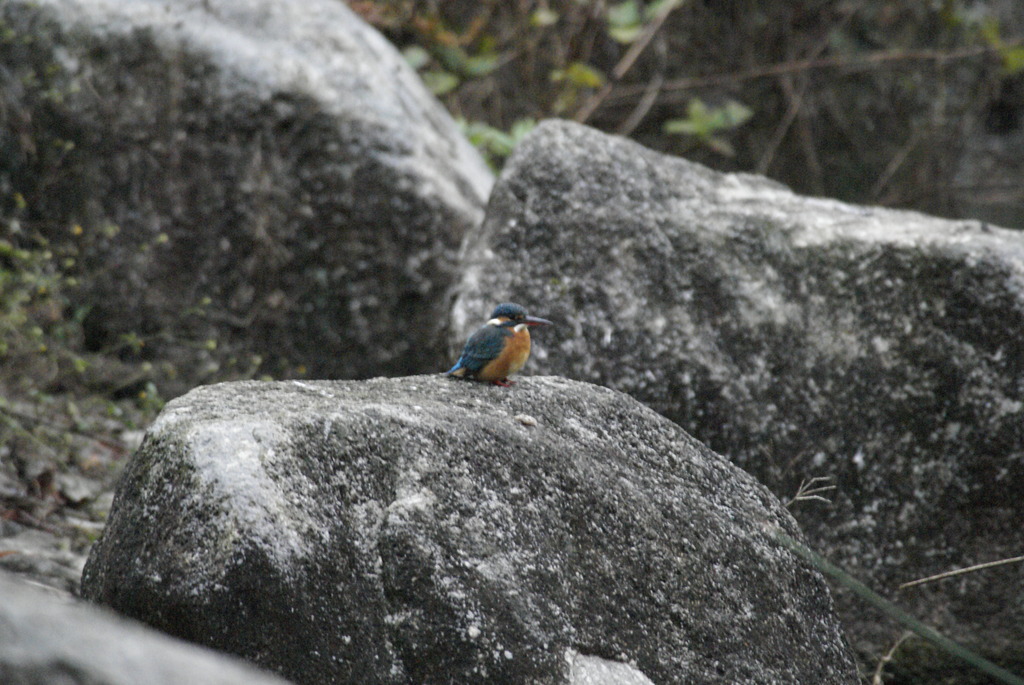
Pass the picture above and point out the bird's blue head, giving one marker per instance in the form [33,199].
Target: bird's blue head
[509,310]
[516,314]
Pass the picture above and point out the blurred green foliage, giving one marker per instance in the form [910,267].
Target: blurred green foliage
[704,123]
[866,102]
[628,20]
[495,145]
[64,405]
[32,302]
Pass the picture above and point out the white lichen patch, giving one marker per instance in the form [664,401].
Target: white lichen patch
[230,461]
[585,669]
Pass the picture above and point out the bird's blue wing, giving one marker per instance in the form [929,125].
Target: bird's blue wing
[483,346]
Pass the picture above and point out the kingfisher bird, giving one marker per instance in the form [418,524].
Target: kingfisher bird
[499,348]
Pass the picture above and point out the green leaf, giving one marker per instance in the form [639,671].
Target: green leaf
[697,110]
[624,21]
[416,56]
[565,101]
[487,45]
[720,145]
[624,14]
[543,17]
[521,127]
[488,138]
[11,252]
[681,126]
[1013,60]
[736,113]
[703,122]
[439,81]
[950,14]
[479,65]
[494,143]
[457,61]
[990,32]
[625,34]
[655,9]
[452,57]
[580,75]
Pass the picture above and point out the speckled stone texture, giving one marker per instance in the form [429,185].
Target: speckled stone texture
[800,337]
[428,530]
[256,184]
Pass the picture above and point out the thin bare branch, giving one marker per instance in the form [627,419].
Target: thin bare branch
[796,98]
[649,97]
[795,102]
[626,63]
[870,61]
[961,571]
[894,164]
[876,679]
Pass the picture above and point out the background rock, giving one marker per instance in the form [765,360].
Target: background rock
[425,530]
[46,556]
[801,338]
[242,185]
[47,639]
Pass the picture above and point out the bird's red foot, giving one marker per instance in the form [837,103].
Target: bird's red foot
[504,382]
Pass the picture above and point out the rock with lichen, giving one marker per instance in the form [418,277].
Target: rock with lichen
[802,338]
[425,530]
[239,187]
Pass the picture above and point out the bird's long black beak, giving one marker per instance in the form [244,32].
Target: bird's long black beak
[536,321]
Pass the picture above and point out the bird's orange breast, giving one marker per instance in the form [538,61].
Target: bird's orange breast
[512,358]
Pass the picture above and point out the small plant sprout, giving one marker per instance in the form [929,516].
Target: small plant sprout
[812,489]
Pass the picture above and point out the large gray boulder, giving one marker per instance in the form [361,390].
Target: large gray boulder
[245,185]
[427,530]
[800,337]
[47,639]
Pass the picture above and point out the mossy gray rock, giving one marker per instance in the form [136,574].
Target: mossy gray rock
[244,185]
[801,338]
[428,530]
